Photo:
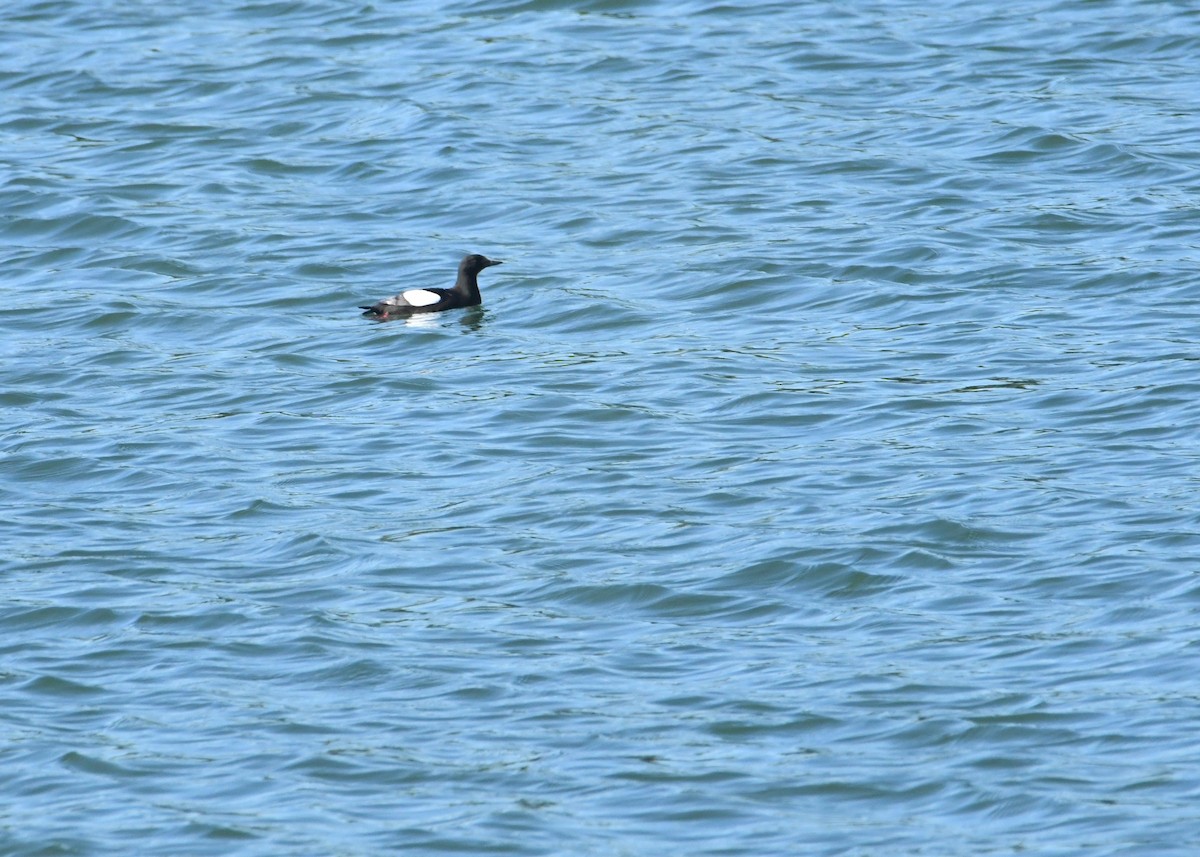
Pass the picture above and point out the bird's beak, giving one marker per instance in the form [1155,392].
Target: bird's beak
[494,262]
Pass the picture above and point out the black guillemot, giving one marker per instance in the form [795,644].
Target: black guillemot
[464,293]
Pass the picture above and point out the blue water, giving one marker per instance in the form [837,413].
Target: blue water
[820,475]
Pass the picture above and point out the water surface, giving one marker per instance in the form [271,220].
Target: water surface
[819,476]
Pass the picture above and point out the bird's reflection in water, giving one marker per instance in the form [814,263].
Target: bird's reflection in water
[473,319]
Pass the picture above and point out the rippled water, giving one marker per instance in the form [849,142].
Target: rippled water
[819,476]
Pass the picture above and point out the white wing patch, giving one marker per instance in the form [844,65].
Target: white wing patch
[420,297]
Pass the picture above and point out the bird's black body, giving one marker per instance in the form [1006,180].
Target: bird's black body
[464,293]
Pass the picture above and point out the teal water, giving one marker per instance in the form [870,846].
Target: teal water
[819,477]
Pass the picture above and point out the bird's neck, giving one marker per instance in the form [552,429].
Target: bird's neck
[467,285]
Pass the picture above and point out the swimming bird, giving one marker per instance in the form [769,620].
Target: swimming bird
[464,293]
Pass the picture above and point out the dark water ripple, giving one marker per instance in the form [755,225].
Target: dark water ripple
[819,476]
